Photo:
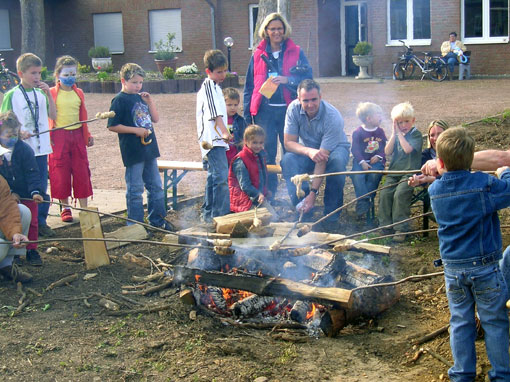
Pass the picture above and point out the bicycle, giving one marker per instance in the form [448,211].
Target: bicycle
[8,79]
[434,67]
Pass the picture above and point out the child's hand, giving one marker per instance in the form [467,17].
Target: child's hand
[500,170]
[395,126]
[227,137]
[15,196]
[375,159]
[18,239]
[23,134]
[414,180]
[146,97]
[37,198]
[142,133]
[90,143]
[261,199]
[44,87]
[365,166]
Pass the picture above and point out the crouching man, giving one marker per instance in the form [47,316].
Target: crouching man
[14,223]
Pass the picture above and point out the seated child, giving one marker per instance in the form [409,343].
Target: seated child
[20,170]
[247,178]
[135,114]
[404,146]
[368,142]
[466,208]
[235,124]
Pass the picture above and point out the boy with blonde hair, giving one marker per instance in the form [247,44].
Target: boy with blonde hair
[32,103]
[368,142]
[213,136]
[404,146]
[135,114]
[466,208]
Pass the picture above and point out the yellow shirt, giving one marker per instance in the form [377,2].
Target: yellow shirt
[68,109]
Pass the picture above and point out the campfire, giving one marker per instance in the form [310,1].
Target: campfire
[297,283]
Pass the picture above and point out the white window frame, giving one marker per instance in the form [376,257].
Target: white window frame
[161,31]
[485,39]
[410,28]
[6,33]
[99,41]
[252,23]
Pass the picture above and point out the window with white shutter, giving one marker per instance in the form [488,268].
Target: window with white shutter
[162,22]
[5,30]
[108,31]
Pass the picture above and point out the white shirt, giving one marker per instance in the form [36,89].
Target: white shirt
[210,104]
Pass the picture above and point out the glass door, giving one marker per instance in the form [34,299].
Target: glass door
[354,29]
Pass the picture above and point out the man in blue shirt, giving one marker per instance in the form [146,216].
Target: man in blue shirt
[315,142]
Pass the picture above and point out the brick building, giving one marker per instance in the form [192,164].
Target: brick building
[327,30]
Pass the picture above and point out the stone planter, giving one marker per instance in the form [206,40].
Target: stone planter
[153,87]
[162,64]
[107,86]
[363,62]
[186,85]
[169,86]
[230,82]
[102,63]
[118,87]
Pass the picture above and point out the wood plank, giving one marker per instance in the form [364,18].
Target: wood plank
[134,231]
[224,224]
[95,251]
[264,286]
[179,165]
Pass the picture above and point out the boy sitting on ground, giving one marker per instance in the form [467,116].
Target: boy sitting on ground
[466,208]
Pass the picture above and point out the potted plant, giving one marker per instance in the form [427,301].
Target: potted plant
[101,57]
[165,53]
[363,58]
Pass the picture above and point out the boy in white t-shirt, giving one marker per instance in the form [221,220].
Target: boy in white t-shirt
[213,136]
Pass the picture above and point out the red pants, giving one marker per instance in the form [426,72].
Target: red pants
[33,231]
[69,164]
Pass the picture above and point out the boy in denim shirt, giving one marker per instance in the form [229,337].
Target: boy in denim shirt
[465,205]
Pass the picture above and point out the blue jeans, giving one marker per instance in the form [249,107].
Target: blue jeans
[293,164]
[217,194]
[365,183]
[272,120]
[485,286]
[140,174]
[451,59]
[43,208]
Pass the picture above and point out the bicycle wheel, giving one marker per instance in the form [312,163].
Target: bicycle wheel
[404,69]
[8,81]
[438,71]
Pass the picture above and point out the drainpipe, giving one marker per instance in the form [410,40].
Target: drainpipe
[213,23]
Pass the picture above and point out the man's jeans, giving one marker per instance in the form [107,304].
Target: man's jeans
[272,120]
[363,184]
[43,208]
[140,174]
[293,164]
[485,286]
[217,194]
[7,252]
[451,59]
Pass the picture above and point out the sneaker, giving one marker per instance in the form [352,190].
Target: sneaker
[46,231]
[17,261]
[14,273]
[33,258]
[66,215]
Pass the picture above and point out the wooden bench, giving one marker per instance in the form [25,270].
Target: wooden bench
[171,177]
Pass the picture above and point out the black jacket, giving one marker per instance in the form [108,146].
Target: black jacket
[22,172]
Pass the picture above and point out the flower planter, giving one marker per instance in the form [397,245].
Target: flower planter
[101,63]
[363,62]
[118,87]
[153,87]
[186,85]
[107,86]
[84,85]
[162,64]
[95,87]
[169,86]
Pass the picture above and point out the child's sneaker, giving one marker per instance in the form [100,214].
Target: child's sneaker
[33,258]
[46,231]
[12,272]
[66,215]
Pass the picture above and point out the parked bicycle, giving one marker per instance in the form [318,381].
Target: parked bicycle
[434,67]
[8,79]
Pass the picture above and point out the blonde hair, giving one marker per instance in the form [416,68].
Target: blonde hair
[64,61]
[9,120]
[402,110]
[27,60]
[439,123]
[366,109]
[253,131]
[231,93]
[130,70]
[272,17]
[456,148]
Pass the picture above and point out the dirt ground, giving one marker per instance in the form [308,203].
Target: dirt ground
[64,335]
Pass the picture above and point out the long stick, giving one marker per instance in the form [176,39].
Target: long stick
[393,283]
[98,116]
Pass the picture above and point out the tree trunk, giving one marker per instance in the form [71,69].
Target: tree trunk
[33,30]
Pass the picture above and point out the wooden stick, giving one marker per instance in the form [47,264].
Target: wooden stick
[154,276]
[99,115]
[62,281]
[431,335]
[145,309]
[438,356]
[278,243]
[414,278]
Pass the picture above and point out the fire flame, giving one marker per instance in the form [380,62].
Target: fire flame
[311,313]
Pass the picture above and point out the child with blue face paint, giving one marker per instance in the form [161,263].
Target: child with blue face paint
[68,164]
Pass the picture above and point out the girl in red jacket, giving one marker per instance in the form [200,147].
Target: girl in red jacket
[247,178]
[69,165]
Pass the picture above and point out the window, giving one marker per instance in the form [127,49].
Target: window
[409,20]
[484,21]
[108,31]
[5,30]
[162,22]
[254,11]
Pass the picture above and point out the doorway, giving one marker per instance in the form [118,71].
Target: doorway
[353,15]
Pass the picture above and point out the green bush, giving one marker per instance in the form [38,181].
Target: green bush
[99,52]
[84,68]
[363,48]
[168,73]
[102,76]
[44,73]
[165,50]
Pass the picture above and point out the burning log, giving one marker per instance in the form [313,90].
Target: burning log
[299,311]
[333,321]
[251,305]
